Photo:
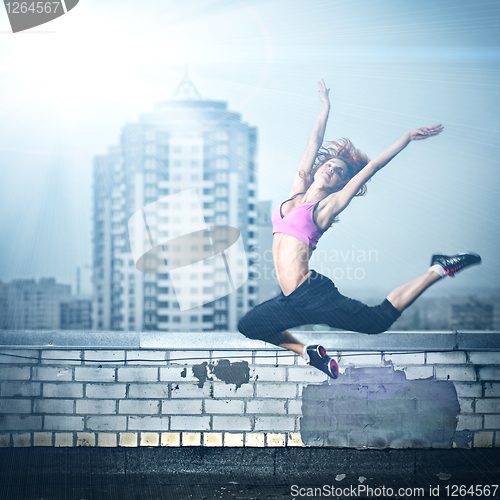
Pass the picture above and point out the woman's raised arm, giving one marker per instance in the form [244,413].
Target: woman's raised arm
[339,201]
[306,163]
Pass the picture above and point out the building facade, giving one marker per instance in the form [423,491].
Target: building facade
[185,143]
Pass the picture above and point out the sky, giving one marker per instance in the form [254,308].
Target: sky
[68,87]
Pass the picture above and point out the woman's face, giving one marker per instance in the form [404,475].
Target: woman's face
[332,173]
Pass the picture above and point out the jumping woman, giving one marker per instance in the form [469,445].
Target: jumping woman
[326,181]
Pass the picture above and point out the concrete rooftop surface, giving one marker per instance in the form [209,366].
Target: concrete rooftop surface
[245,473]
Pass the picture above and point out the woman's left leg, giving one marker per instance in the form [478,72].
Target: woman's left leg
[405,295]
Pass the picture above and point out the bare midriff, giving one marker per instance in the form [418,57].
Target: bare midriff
[291,261]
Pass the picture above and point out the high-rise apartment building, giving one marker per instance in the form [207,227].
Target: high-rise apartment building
[180,144]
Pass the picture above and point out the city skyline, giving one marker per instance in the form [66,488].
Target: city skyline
[390,67]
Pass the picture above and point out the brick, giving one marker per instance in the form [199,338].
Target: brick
[187,390]
[4,440]
[191,438]
[254,440]
[138,374]
[150,439]
[406,359]
[63,423]
[273,357]
[275,440]
[294,407]
[348,359]
[284,390]
[201,423]
[51,373]
[128,439]
[452,372]
[170,439]
[418,372]
[146,358]
[63,390]
[188,357]
[88,374]
[136,423]
[492,422]
[230,391]
[19,357]
[468,390]
[26,389]
[441,358]
[148,391]
[50,357]
[20,423]
[492,390]
[491,405]
[266,406]
[181,406]
[105,391]
[230,423]
[105,423]
[212,439]
[466,405]
[224,406]
[233,356]
[177,374]
[489,373]
[269,373]
[42,439]
[139,407]
[21,440]
[15,406]
[107,440]
[232,440]
[305,374]
[15,373]
[274,423]
[294,439]
[111,357]
[469,422]
[485,358]
[85,439]
[96,406]
[63,439]
[53,406]
[483,439]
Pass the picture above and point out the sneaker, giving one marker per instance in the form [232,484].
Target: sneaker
[452,264]
[320,360]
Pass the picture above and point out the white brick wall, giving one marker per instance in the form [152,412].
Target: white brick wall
[152,398]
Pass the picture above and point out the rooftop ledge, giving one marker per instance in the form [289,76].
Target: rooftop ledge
[341,341]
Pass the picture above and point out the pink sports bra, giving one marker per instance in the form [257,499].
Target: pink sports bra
[299,222]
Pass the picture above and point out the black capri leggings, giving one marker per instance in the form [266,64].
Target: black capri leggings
[316,301]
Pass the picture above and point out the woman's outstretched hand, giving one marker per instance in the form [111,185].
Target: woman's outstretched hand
[323,92]
[417,134]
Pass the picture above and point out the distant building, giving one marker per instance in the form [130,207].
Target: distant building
[35,306]
[180,144]
[473,315]
[76,314]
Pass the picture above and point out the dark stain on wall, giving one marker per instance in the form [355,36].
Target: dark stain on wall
[380,408]
[200,372]
[237,373]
